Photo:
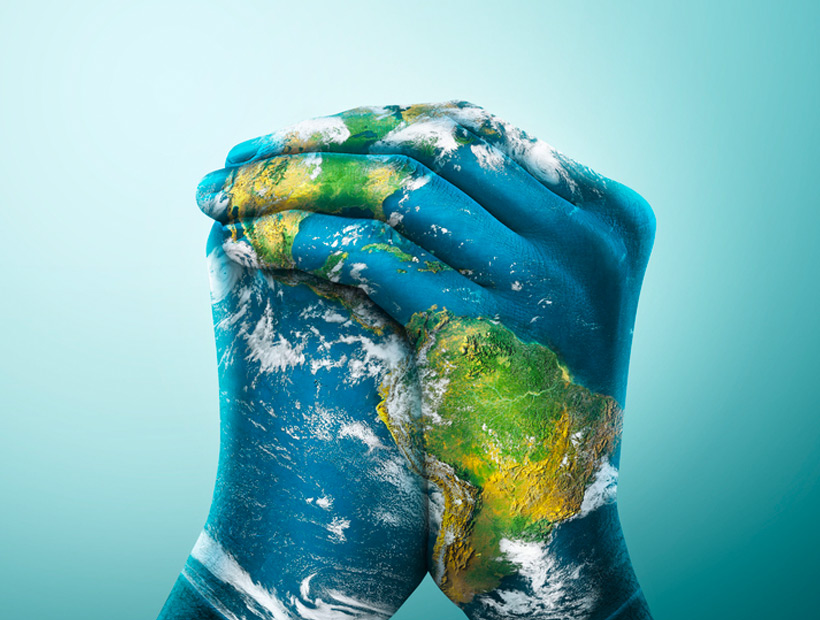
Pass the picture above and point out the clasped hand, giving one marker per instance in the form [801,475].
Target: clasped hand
[515,272]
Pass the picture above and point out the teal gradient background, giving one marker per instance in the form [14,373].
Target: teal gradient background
[109,116]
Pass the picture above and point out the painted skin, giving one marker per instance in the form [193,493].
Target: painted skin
[316,511]
[515,273]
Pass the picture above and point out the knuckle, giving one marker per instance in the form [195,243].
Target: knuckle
[634,221]
[408,165]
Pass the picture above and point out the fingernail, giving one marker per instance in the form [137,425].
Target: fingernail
[209,195]
[243,152]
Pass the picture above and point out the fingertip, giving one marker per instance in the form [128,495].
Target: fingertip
[243,152]
[210,197]
[213,181]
